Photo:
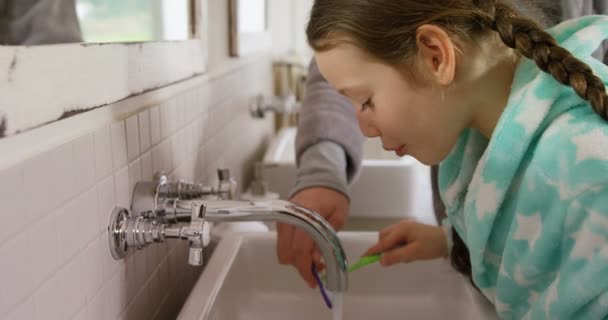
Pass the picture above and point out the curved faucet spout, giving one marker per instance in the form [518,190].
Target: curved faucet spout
[286,212]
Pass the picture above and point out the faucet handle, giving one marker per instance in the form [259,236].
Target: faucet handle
[227,186]
[199,234]
[260,104]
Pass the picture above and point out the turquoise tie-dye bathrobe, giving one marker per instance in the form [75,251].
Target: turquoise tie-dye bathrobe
[532,203]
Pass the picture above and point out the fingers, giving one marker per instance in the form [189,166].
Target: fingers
[303,247]
[318,260]
[404,254]
[284,240]
[337,220]
[396,236]
[384,232]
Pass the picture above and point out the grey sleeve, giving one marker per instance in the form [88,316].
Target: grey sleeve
[322,165]
[326,115]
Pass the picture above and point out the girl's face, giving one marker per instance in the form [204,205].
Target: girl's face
[410,119]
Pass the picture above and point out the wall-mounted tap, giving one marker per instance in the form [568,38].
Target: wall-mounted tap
[127,231]
[153,196]
[189,218]
[261,104]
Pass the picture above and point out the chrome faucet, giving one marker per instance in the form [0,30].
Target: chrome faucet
[189,219]
[127,231]
[260,105]
[152,197]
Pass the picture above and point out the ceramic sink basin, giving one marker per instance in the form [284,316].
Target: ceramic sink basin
[243,281]
[388,186]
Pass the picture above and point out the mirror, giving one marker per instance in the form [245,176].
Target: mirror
[248,27]
[147,45]
[39,22]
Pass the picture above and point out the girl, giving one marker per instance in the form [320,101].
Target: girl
[516,116]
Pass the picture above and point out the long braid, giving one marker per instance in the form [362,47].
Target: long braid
[529,39]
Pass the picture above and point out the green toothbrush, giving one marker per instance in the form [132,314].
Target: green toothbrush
[362,262]
[365,260]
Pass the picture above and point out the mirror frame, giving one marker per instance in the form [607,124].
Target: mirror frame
[247,43]
[47,83]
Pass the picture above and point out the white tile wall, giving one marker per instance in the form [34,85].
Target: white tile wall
[103,152]
[54,247]
[119,144]
[144,131]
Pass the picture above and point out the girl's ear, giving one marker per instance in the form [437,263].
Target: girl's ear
[437,54]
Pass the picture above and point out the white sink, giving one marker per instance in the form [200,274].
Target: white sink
[388,187]
[243,281]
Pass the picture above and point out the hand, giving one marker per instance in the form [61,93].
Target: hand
[408,241]
[294,246]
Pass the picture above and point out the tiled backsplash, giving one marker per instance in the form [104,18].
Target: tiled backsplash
[54,256]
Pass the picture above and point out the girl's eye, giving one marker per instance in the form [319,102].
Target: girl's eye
[367,104]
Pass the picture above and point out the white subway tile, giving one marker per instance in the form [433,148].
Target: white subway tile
[133,311]
[177,149]
[78,224]
[181,110]
[167,118]
[12,193]
[193,136]
[140,268]
[155,126]
[134,175]
[204,97]
[96,308]
[43,252]
[138,309]
[47,302]
[106,202]
[143,300]
[147,173]
[155,291]
[154,257]
[115,297]
[148,254]
[83,164]
[198,132]
[189,112]
[173,114]
[166,152]
[81,315]
[103,152]
[164,276]
[144,130]
[24,311]
[49,179]
[132,138]
[15,272]
[131,278]
[63,295]
[110,267]
[121,185]
[157,159]
[175,265]
[93,270]
[119,144]
[163,311]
